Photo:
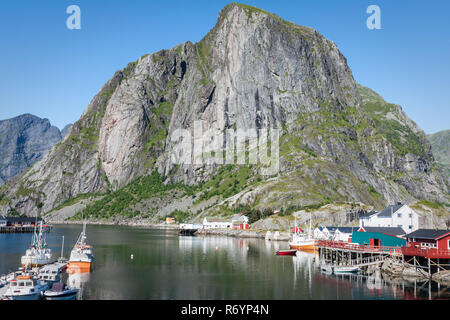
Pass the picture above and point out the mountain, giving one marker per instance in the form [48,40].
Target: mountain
[65,131]
[440,143]
[135,149]
[23,141]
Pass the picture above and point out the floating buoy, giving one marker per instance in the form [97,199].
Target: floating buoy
[217,248]
[132,257]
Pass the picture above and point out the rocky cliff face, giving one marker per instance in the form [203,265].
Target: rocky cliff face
[23,141]
[339,142]
[440,143]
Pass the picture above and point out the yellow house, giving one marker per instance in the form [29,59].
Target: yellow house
[170,220]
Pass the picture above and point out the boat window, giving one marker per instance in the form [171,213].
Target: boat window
[14,284]
[21,284]
[29,283]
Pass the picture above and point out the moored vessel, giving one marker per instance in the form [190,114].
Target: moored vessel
[302,241]
[60,291]
[81,256]
[38,254]
[25,288]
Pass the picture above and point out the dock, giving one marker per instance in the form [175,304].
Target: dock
[339,253]
[21,229]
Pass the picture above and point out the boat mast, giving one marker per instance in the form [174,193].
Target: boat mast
[62,247]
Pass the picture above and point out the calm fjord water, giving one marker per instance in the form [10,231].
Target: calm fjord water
[168,266]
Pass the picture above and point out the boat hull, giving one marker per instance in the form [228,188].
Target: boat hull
[287,252]
[78,266]
[68,295]
[35,263]
[34,296]
[302,247]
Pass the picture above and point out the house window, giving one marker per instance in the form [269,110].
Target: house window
[410,227]
[410,215]
[399,215]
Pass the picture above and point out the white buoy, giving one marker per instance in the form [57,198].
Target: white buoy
[132,257]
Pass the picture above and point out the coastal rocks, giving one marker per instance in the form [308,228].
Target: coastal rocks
[232,233]
[442,277]
[400,269]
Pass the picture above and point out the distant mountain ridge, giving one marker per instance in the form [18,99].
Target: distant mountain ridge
[24,140]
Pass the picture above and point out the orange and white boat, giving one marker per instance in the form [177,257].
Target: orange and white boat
[302,241]
[81,256]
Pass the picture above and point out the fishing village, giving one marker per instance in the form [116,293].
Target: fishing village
[379,244]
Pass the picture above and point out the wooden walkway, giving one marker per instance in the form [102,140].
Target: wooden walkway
[21,229]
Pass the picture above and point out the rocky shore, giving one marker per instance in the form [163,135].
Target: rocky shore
[260,234]
[410,273]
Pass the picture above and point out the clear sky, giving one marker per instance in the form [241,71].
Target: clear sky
[53,72]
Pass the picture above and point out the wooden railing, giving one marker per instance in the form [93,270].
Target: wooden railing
[357,247]
[431,253]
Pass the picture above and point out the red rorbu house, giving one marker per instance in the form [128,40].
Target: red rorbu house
[428,243]
[240,223]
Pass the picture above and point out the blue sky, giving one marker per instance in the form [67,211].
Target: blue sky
[53,72]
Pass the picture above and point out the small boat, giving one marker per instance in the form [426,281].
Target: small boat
[60,291]
[81,256]
[339,269]
[38,254]
[345,269]
[25,288]
[286,252]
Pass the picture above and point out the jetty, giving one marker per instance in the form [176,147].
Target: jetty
[340,253]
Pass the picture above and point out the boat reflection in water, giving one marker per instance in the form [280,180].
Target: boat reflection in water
[78,281]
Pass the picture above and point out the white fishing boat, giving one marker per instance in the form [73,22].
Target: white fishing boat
[60,291]
[302,241]
[38,254]
[81,256]
[25,288]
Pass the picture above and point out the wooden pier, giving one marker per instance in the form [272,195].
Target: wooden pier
[339,253]
[21,229]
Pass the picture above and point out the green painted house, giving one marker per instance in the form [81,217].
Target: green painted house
[379,236]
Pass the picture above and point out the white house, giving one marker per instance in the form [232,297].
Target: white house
[344,233]
[3,221]
[216,223]
[399,215]
[324,233]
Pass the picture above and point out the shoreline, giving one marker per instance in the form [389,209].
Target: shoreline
[254,234]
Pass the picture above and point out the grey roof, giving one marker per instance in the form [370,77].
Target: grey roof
[348,229]
[332,229]
[367,214]
[390,210]
[427,234]
[393,231]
